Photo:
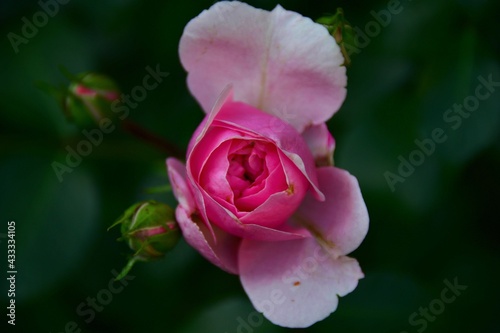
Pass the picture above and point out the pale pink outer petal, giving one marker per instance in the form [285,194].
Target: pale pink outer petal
[177,174]
[278,61]
[295,283]
[221,251]
[321,143]
[341,221]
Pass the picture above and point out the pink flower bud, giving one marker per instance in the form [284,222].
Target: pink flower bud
[150,230]
[89,99]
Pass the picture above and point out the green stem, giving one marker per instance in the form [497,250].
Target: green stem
[140,132]
[127,268]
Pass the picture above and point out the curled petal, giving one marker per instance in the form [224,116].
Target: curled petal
[222,252]
[214,178]
[225,96]
[243,117]
[295,283]
[218,247]
[321,143]
[341,221]
[177,175]
[226,220]
[278,61]
[285,202]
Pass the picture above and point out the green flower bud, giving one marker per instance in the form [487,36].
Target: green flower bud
[342,31]
[89,98]
[150,229]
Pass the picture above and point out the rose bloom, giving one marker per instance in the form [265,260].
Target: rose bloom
[259,195]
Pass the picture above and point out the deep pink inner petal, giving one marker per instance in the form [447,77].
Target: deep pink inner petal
[259,179]
[200,152]
[213,175]
[257,195]
[252,167]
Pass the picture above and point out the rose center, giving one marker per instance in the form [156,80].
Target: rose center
[247,166]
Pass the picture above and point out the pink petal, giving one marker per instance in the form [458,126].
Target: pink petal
[213,176]
[218,247]
[214,137]
[295,283]
[278,61]
[225,96]
[248,119]
[341,221]
[221,253]
[177,174]
[231,120]
[274,182]
[321,144]
[285,202]
[229,222]
[190,200]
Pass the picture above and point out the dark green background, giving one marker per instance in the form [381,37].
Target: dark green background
[441,223]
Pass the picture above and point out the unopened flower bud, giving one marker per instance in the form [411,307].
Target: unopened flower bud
[150,229]
[342,31]
[89,99]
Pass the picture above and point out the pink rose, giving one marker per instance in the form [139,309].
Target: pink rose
[258,195]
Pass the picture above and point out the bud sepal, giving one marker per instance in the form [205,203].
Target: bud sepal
[342,31]
[150,229]
[89,99]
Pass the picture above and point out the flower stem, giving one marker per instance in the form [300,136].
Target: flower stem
[140,132]
[127,268]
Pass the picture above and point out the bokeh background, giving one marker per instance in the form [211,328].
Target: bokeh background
[440,223]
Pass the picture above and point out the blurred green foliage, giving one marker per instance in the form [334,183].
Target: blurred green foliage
[440,223]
